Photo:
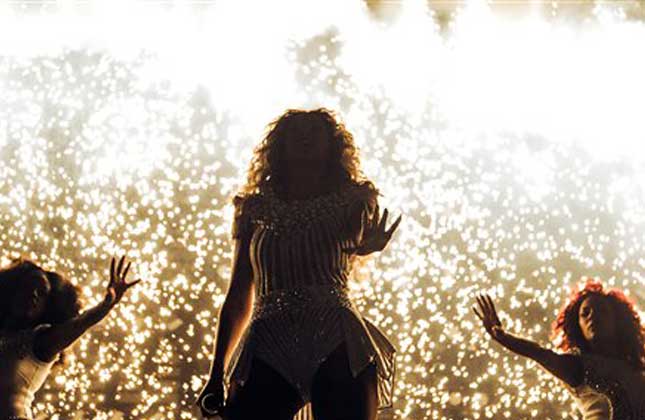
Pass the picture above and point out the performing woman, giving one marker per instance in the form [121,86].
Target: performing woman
[39,319]
[288,334]
[603,340]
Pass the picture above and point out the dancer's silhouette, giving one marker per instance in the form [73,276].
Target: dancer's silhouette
[39,319]
[603,366]
[304,216]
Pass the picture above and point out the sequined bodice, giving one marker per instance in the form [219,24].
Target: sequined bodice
[611,390]
[300,244]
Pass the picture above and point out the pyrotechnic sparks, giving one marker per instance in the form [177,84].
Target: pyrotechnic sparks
[511,147]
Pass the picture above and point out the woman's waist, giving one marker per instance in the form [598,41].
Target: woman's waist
[300,298]
[12,405]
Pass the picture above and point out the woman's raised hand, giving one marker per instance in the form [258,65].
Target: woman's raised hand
[118,285]
[488,315]
[375,236]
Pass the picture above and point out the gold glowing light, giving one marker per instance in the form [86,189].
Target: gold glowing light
[510,145]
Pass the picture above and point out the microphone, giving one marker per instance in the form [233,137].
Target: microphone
[209,404]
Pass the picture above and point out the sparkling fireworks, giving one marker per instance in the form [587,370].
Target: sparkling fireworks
[510,146]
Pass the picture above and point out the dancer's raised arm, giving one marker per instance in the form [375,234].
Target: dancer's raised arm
[49,342]
[566,367]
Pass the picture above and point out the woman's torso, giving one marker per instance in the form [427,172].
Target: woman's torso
[302,310]
[21,373]
[301,244]
[611,390]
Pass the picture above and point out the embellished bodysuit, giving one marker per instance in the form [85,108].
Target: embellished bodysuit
[611,390]
[302,311]
[21,373]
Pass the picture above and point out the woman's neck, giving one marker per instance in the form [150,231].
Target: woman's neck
[607,349]
[306,183]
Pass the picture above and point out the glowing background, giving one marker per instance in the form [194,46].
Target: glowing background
[509,136]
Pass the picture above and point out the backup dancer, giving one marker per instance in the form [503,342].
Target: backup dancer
[40,317]
[603,343]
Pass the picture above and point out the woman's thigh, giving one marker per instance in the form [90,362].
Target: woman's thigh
[265,395]
[337,395]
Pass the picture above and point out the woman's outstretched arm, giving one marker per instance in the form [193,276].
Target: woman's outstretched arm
[566,367]
[233,319]
[49,342]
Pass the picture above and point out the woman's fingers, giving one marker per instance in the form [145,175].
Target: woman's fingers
[486,309]
[381,225]
[376,214]
[392,228]
[480,316]
[491,305]
[118,272]
[112,271]
[120,266]
[365,221]
[487,313]
[493,311]
[482,309]
[489,301]
[482,298]
[129,285]
[127,268]
[482,304]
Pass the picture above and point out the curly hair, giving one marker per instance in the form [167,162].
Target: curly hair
[267,169]
[63,300]
[568,335]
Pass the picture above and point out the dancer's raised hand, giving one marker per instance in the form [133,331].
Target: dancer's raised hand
[375,236]
[488,315]
[118,285]
[58,337]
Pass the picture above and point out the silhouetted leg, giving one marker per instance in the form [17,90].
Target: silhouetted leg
[337,395]
[265,395]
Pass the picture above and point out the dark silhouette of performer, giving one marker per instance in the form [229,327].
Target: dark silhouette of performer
[39,319]
[303,217]
[603,366]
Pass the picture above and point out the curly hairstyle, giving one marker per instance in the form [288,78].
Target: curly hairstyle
[63,300]
[267,169]
[568,335]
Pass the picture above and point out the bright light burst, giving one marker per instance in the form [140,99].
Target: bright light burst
[511,146]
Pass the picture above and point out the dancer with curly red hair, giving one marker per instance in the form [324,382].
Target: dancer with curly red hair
[602,340]
[302,219]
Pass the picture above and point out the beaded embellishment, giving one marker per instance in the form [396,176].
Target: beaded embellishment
[268,210]
[620,407]
[303,298]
